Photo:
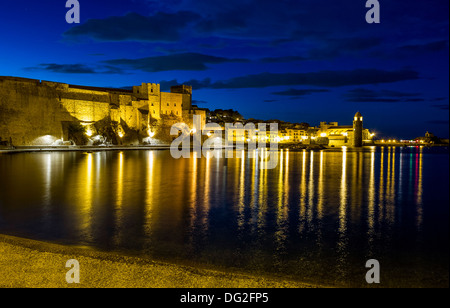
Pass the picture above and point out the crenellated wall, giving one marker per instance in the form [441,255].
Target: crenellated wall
[34,112]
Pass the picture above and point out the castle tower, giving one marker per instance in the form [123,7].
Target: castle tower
[154,99]
[358,130]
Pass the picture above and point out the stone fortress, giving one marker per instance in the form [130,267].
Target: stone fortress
[34,112]
[44,113]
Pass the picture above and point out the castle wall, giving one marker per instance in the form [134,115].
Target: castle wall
[30,112]
[171,103]
[37,113]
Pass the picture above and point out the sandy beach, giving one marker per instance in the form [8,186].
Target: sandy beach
[28,263]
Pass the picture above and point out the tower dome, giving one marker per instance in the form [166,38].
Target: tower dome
[358,116]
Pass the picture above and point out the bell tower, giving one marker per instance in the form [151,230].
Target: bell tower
[357,130]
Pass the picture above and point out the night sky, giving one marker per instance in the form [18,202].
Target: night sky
[293,60]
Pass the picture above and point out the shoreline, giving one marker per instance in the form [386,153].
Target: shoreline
[291,147]
[26,263]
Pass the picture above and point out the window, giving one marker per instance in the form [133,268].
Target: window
[167,104]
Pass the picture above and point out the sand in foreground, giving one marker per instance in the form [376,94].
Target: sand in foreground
[33,264]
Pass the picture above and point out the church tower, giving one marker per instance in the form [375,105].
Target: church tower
[357,130]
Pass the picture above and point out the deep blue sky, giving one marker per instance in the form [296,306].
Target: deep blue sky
[293,60]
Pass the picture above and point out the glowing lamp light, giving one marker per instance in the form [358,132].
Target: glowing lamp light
[121,135]
[151,134]
[323,135]
[89,132]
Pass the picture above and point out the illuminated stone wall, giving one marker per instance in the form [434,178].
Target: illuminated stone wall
[171,103]
[30,112]
[39,113]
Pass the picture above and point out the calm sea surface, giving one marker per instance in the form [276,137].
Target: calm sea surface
[317,217]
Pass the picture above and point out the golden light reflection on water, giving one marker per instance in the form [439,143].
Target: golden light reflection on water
[419,188]
[47,189]
[390,189]
[282,205]
[329,189]
[302,210]
[371,204]
[310,210]
[321,188]
[343,197]
[148,229]
[342,243]
[262,201]
[206,195]
[241,217]
[381,188]
[312,189]
[119,211]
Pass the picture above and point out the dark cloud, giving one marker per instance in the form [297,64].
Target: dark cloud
[63,68]
[332,48]
[414,100]
[426,48]
[282,59]
[166,84]
[439,122]
[299,92]
[362,95]
[438,99]
[181,62]
[441,106]
[135,27]
[197,102]
[319,79]
[76,69]
[233,20]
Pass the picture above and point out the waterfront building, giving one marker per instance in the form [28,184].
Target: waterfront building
[34,112]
